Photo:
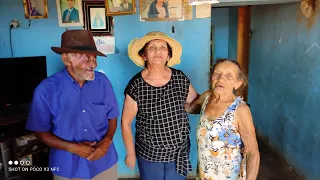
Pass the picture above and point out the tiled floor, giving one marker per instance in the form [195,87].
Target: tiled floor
[271,168]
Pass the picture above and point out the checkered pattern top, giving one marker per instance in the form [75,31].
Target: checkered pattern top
[162,124]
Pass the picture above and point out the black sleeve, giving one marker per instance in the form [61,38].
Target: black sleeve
[184,80]
[131,88]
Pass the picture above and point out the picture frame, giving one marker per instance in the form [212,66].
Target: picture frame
[171,10]
[120,7]
[69,13]
[35,9]
[95,18]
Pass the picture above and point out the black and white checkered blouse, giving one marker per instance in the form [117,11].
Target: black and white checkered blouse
[162,124]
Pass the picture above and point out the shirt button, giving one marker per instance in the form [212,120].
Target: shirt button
[85,129]
[83,111]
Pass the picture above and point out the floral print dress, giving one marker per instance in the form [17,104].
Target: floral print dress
[220,148]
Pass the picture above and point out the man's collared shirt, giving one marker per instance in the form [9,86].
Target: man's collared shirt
[75,114]
[70,10]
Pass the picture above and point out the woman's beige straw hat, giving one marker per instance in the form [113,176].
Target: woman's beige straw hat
[137,44]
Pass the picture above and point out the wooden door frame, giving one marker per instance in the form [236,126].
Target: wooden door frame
[243,44]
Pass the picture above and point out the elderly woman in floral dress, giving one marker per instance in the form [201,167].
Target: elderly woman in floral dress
[227,145]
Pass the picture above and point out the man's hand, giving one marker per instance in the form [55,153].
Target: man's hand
[89,143]
[100,150]
[83,149]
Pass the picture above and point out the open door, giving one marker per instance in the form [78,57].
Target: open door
[211,55]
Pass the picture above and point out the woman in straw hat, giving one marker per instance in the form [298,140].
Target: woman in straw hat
[156,96]
[227,145]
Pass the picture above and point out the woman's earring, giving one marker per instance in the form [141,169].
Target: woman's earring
[234,91]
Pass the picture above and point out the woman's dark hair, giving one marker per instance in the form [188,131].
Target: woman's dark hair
[242,76]
[142,52]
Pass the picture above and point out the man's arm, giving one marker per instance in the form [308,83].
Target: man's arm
[82,149]
[248,136]
[101,148]
[39,121]
[111,130]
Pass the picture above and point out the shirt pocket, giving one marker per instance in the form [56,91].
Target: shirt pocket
[98,113]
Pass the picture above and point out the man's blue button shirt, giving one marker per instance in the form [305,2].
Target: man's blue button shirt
[75,114]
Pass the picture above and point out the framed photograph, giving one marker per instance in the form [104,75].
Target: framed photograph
[120,7]
[69,13]
[161,10]
[95,18]
[35,9]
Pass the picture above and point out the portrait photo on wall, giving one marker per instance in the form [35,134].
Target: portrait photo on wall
[159,10]
[35,9]
[120,7]
[95,18]
[69,13]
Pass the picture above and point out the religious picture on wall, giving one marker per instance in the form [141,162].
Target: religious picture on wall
[95,18]
[69,13]
[35,9]
[120,7]
[155,10]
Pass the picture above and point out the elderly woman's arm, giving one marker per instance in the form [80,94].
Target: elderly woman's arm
[248,136]
[194,106]
[130,109]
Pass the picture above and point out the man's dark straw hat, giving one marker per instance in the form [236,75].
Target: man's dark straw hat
[77,41]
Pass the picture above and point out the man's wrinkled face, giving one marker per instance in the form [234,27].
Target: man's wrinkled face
[82,66]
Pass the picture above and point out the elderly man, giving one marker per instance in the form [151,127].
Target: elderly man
[75,113]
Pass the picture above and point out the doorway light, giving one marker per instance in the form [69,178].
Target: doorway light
[200,2]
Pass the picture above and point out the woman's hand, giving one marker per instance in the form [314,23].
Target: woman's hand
[130,161]
[162,13]
[194,101]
